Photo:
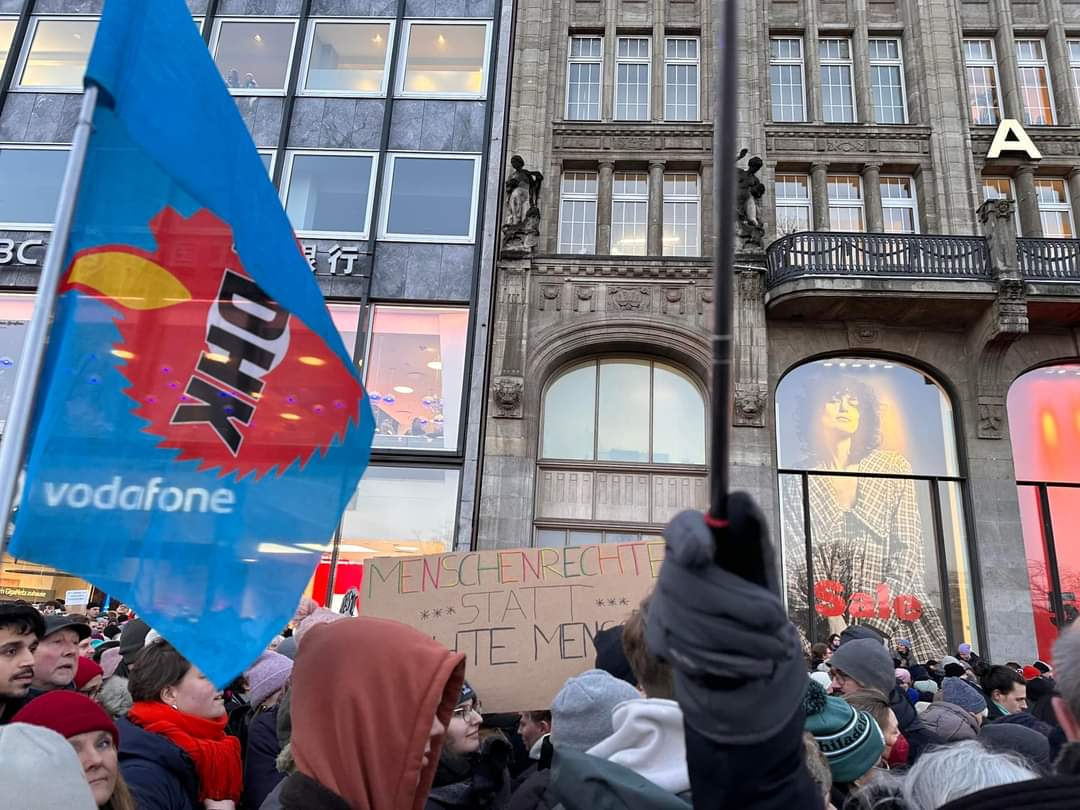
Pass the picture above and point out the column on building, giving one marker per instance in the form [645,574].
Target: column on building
[1028,200]
[1005,43]
[603,208]
[1057,55]
[656,208]
[819,194]
[871,180]
[1074,194]
[860,53]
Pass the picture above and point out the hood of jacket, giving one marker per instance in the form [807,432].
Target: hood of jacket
[365,692]
[649,740]
[139,747]
[585,782]
[950,722]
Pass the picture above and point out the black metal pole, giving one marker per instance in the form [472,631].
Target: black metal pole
[724,139]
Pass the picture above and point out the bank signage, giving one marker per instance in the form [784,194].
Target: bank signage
[27,252]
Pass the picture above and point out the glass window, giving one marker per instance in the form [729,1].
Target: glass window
[1036,95]
[887,82]
[267,157]
[846,203]
[413,375]
[786,79]
[793,206]
[632,82]
[899,209]
[15,313]
[346,318]
[584,73]
[328,194]
[644,412]
[681,79]
[1074,65]
[871,540]
[347,58]
[30,181]
[431,198]
[7,33]
[682,214]
[557,538]
[577,213]
[980,64]
[253,54]
[445,59]
[629,214]
[1055,211]
[837,85]
[57,53]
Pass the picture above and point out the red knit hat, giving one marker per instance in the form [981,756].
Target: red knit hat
[67,713]
[86,671]
[1031,673]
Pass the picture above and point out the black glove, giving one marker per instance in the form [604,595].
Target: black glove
[739,671]
[489,770]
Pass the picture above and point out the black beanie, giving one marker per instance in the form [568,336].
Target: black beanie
[610,656]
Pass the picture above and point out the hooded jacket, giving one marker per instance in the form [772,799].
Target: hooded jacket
[585,782]
[649,740]
[361,721]
[949,722]
[160,775]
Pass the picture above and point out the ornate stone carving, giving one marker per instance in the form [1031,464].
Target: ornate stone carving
[750,401]
[521,229]
[584,298]
[629,299]
[991,417]
[674,303]
[748,195]
[507,393]
[550,296]
[863,333]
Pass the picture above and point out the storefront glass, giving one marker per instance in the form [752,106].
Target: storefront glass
[872,511]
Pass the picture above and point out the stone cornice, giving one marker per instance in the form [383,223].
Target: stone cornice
[694,269]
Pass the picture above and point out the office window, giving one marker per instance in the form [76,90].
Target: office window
[445,60]
[253,54]
[837,85]
[328,194]
[1036,95]
[431,198]
[1001,188]
[632,83]
[980,65]
[56,53]
[887,82]
[7,33]
[794,212]
[786,79]
[846,203]
[30,182]
[584,73]
[1074,65]
[267,157]
[682,215]
[681,79]
[577,213]
[1055,210]
[899,209]
[629,214]
[347,58]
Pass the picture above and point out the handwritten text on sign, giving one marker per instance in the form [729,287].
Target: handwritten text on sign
[526,619]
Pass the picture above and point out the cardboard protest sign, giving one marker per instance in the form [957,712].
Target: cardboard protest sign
[524,618]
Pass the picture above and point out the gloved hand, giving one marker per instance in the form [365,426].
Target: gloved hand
[717,618]
[489,770]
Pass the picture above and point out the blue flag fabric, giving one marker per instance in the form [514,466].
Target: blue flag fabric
[200,425]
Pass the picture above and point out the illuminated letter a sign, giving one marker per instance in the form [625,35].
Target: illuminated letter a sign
[1010,137]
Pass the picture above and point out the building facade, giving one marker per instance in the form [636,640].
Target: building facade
[375,119]
[906,338]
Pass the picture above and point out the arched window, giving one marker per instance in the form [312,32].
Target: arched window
[1044,424]
[872,504]
[622,449]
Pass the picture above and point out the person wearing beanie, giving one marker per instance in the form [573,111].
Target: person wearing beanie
[610,655]
[132,640]
[311,614]
[967,655]
[88,678]
[851,740]
[21,628]
[40,768]
[952,667]
[266,680]
[958,692]
[861,664]
[1031,672]
[1013,738]
[93,735]
[903,657]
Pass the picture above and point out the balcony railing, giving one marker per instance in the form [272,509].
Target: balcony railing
[1049,259]
[814,253]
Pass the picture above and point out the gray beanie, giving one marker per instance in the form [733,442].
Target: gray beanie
[959,693]
[41,771]
[581,712]
[868,662]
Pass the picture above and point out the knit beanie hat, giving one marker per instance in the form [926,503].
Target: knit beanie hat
[85,671]
[467,694]
[854,632]
[903,675]
[41,769]
[610,655]
[868,662]
[959,693]
[964,648]
[581,712]
[311,614]
[268,674]
[1030,673]
[927,686]
[132,638]
[110,660]
[822,678]
[851,740]
[67,713]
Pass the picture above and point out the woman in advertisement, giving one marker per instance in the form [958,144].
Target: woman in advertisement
[866,529]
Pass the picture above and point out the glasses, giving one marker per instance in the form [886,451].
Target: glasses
[463,712]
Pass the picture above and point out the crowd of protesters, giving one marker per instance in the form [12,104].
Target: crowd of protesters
[702,698]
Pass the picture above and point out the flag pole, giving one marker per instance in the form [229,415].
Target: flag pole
[725,125]
[17,428]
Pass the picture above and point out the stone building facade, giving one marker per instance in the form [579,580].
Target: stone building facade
[900,263]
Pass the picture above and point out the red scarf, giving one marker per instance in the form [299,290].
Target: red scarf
[215,754]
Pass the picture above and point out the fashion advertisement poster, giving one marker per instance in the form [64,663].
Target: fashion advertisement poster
[861,428]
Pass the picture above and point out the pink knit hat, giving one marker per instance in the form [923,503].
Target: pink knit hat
[268,674]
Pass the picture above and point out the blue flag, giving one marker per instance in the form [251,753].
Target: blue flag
[199,425]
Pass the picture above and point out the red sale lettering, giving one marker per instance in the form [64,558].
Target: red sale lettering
[832,601]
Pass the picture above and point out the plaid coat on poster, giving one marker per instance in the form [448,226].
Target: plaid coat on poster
[879,540]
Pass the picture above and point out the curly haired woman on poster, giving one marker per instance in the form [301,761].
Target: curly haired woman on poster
[866,532]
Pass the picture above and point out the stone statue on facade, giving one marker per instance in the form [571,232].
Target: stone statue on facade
[748,204]
[521,227]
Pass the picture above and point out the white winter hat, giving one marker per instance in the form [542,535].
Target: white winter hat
[40,770]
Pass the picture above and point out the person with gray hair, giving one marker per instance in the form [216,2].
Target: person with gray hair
[958,770]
